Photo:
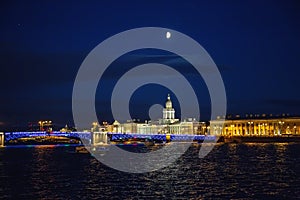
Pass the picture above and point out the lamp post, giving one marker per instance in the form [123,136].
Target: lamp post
[95,125]
[46,124]
[41,125]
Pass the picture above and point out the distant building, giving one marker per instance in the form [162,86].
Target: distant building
[168,113]
[256,126]
[168,124]
[67,129]
[252,125]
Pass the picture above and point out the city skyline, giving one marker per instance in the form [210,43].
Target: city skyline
[166,116]
[150,99]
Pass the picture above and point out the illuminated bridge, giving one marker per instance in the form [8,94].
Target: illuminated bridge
[16,135]
[161,137]
[102,137]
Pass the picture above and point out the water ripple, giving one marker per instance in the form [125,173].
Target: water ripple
[230,171]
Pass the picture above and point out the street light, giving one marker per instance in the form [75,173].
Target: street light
[41,125]
[45,123]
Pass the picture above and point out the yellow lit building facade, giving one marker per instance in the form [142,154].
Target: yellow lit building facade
[256,127]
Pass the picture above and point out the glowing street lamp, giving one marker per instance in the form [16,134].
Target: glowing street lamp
[41,125]
[45,123]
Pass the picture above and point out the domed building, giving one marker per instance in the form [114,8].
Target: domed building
[168,113]
[167,125]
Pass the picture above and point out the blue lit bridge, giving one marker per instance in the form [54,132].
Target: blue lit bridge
[8,136]
[161,137]
[102,137]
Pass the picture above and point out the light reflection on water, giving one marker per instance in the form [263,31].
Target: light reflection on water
[230,171]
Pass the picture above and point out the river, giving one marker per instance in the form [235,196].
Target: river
[229,171]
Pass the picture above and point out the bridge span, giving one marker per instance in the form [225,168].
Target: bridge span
[95,138]
[8,136]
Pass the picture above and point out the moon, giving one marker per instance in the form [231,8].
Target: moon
[168,35]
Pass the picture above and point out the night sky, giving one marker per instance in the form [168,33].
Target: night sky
[255,44]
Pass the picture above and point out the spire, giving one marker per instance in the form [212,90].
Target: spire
[169,102]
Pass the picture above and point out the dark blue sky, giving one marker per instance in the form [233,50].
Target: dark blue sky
[255,44]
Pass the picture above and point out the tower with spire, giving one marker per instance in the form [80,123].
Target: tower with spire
[169,112]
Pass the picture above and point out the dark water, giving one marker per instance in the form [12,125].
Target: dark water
[230,171]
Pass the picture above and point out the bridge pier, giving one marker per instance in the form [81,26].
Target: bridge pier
[99,138]
[1,139]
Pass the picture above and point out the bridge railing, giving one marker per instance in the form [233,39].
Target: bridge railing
[114,136]
[162,137]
